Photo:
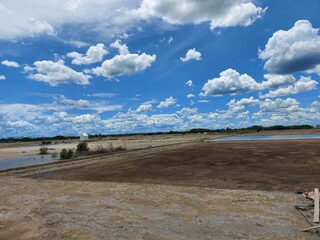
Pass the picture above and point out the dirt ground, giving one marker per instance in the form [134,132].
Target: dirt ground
[262,165]
[192,190]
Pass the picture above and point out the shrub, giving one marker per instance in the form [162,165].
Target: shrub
[63,154]
[43,150]
[66,154]
[69,154]
[82,147]
[46,142]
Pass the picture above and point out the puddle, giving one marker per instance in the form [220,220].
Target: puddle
[24,161]
[278,137]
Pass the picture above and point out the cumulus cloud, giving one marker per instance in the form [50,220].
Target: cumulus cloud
[229,82]
[121,65]
[239,105]
[167,102]
[10,63]
[55,73]
[192,54]
[275,80]
[297,49]
[93,18]
[304,84]
[220,13]
[144,108]
[280,105]
[2,77]
[94,54]
[315,104]
[190,95]
[122,48]
[189,83]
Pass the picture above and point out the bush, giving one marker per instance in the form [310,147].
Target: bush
[43,150]
[82,147]
[69,154]
[66,154]
[46,142]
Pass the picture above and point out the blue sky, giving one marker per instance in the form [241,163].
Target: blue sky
[103,66]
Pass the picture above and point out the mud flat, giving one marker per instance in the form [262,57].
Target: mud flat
[193,190]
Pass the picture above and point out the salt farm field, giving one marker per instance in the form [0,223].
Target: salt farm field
[190,190]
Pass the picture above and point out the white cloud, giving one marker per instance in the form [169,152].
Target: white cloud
[239,105]
[121,65]
[189,83]
[75,103]
[190,95]
[103,95]
[219,13]
[297,49]
[144,108]
[229,82]
[316,70]
[94,54]
[16,112]
[55,73]
[2,77]
[167,102]
[10,63]
[101,107]
[304,84]
[122,48]
[192,54]
[76,43]
[72,19]
[315,104]
[275,81]
[187,112]
[170,40]
[280,105]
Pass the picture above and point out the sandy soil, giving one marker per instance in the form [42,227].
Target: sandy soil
[52,209]
[193,190]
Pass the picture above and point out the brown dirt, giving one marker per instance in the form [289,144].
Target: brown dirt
[292,165]
[186,191]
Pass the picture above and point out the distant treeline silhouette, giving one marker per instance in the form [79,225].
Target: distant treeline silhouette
[254,128]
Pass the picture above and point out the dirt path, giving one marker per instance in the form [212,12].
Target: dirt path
[50,209]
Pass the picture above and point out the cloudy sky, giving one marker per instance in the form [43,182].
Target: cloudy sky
[105,66]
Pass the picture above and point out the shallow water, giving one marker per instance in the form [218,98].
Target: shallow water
[278,137]
[24,161]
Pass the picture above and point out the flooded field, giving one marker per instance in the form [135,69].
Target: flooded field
[277,137]
[24,161]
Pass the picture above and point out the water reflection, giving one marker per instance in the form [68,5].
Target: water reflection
[278,137]
[24,161]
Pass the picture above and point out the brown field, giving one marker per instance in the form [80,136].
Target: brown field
[190,190]
[262,165]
